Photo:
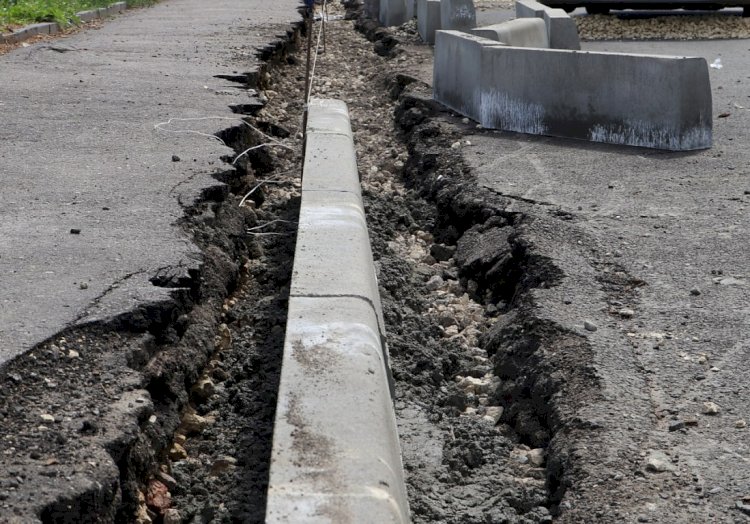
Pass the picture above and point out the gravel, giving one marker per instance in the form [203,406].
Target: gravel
[663,27]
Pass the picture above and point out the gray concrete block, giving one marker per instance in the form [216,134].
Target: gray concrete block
[457,71]
[119,7]
[529,9]
[457,15]
[521,32]
[639,100]
[335,454]
[428,19]
[372,9]
[561,29]
[392,12]
[411,9]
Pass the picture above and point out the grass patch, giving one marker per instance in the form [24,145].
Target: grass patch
[23,12]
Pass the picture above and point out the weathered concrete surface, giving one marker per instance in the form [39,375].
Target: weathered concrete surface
[522,32]
[393,12]
[458,15]
[336,455]
[428,19]
[79,151]
[457,71]
[529,9]
[597,96]
[561,30]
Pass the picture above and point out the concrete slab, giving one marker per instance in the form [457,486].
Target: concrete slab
[561,30]
[393,12]
[457,72]
[522,32]
[458,15]
[597,96]
[428,19]
[335,451]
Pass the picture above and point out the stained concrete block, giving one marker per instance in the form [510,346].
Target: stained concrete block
[457,71]
[522,32]
[529,9]
[393,12]
[428,19]
[660,102]
[457,15]
[372,9]
[411,9]
[561,30]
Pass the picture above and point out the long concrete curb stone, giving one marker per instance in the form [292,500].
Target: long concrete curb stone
[521,32]
[572,94]
[52,28]
[336,455]
[562,31]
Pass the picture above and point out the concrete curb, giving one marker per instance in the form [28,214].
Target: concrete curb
[53,28]
[336,455]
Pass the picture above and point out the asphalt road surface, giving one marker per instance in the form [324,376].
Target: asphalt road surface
[91,194]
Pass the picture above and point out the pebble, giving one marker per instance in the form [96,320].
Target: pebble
[658,462]
[435,283]
[676,425]
[589,326]
[495,413]
[46,417]
[695,291]
[711,408]
[73,354]
[740,424]
[177,452]
[172,516]
[83,285]
[626,313]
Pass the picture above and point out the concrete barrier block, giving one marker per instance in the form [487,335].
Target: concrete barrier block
[119,7]
[522,32]
[372,9]
[458,15]
[638,100]
[411,9]
[335,454]
[428,19]
[561,29]
[392,12]
[457,71]
[529,9]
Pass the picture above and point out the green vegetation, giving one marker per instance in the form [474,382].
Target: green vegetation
[22,12]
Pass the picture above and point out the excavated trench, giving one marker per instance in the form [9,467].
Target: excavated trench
[181,427]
